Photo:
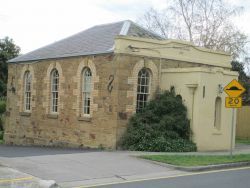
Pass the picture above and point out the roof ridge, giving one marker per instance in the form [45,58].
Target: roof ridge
[125,27]
[145,29]
[110,23]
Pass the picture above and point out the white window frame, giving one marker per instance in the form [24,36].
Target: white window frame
[143,89]
[86,91]
[54,81]
[27,91]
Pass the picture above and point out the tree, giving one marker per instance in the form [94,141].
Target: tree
[243,79]
[2,110]
[206,23]
[247,65]
[239,67]
[8,50]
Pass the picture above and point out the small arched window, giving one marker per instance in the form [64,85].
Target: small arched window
[86,91]
[143,89]
[27,91]
[54,90]
[217,113]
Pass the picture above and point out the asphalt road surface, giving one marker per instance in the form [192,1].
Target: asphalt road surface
[231,178]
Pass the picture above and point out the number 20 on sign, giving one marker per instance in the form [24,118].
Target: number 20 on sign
[233,102]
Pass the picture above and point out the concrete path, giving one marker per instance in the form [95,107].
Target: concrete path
[11,178]
[14,179]
[73,167]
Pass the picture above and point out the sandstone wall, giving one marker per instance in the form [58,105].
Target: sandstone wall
[67,128]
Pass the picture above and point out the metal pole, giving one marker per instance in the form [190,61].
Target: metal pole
[232,133]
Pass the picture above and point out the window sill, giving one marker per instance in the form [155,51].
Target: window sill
[25,114]
[84,118]
[52,116]
[217,132]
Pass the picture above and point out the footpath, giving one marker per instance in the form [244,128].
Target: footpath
[12,178]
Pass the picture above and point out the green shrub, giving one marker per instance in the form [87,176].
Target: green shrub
[1,135]
[2,107]
[1,123]
[2,110]
[161,126]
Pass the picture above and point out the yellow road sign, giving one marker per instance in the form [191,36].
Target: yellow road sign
[233,102]
[234,89]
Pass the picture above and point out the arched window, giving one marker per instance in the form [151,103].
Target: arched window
[27,91]
[54,90]
[86,90]
[143,92]
[217,113]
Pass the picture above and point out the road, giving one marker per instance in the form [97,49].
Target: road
[230,178]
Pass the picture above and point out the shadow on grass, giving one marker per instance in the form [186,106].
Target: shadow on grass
[245,141]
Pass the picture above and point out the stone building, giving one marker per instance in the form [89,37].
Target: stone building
[81,91]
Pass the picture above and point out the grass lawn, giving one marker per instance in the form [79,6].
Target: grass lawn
[243,141]
[197,160]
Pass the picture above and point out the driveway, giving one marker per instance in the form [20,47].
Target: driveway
[75,167]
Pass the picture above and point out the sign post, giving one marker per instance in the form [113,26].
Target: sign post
[234,89]
[232,134]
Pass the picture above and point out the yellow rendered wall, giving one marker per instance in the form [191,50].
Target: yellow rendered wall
[171,49]
[206,136]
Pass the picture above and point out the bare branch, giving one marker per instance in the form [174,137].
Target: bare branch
[204,22]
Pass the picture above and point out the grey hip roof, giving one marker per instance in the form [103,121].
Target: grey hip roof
[95,40]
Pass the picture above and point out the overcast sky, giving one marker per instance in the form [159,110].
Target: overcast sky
[35,23]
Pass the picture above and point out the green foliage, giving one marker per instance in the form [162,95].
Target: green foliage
[2,107]
[239,67]
[1,135]
[2,110]
[8,50]
[161,126]
[3,88]
[197,160]
[243,79]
